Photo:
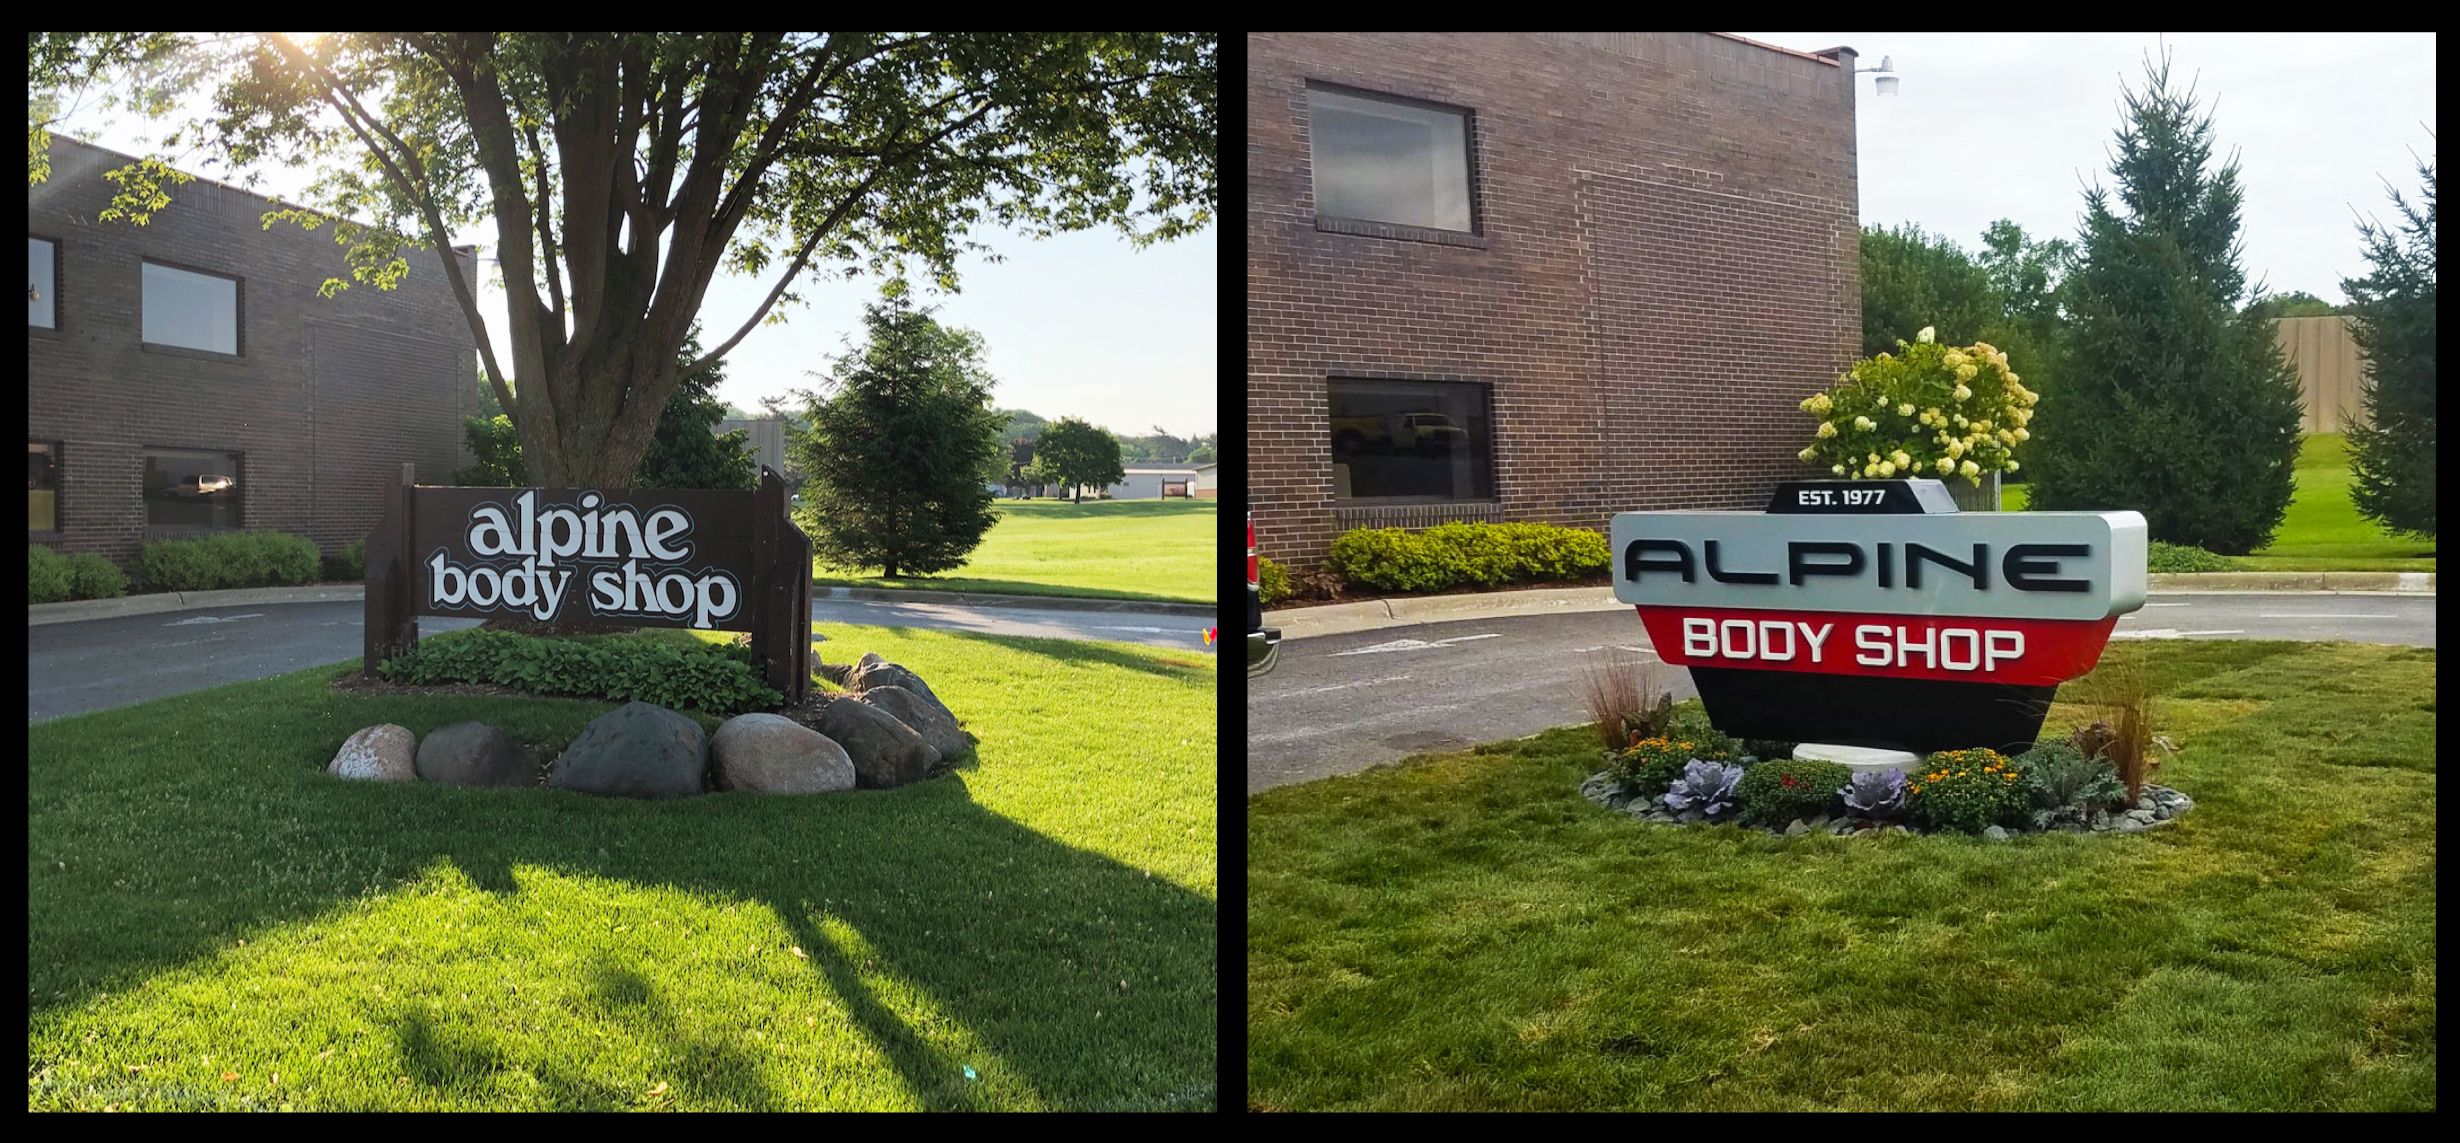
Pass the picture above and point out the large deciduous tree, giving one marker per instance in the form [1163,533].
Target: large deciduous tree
[2392,318]
[2170,399]
[1076,454]
[620,171]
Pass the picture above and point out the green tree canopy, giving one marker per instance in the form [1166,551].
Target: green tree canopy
[2169,399]
[686,452]
[2391,313]
[1076,454]
[2295,303]
[1911,279]
[896,454]
[620,171]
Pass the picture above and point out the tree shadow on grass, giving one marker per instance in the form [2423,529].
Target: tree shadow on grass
[1091,981]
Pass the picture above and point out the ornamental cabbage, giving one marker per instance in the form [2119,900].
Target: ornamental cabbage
[1705,786]
[1875,793]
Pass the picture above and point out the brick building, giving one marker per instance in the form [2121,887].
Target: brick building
[1538,276]
[184,377]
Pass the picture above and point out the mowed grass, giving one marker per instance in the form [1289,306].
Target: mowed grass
[1163,550]
[216,924]
[2322,531]
[1466,931]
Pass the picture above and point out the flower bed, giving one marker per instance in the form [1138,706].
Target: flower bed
[2054,787]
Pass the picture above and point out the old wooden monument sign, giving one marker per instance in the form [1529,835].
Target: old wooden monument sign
[587,557]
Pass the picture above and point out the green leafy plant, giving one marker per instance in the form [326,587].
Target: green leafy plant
[228,559]
[1272,581]
[1935,411]
[46,575]
[1649,765]
[2181,558]
[1775,793]
[354,560]
[1453,555]
[2067,782]
[92,577]
[1691,722]
[714,677]
[1968,791]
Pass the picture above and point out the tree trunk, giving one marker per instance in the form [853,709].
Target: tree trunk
[890,571]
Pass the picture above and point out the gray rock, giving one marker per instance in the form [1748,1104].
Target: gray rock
[927,719]
[886,753]
[1820,822]
[772,754]
[1797,829]
[2131,825]
[1840,827]
[1995,833]
[384,753]
[2101,819]
[635,751]
[873,671]
[476,754]
[2164,813]
[2141,816]
[1690,815]
[1900,829]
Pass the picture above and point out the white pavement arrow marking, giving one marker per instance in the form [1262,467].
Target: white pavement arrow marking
[2326,615]
[1414,645]
[213,619]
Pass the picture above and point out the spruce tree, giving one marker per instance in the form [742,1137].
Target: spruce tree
[2169,398]
[2391,316]
[895,455]
[688,451]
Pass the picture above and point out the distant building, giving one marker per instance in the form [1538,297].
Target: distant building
[1148,484]
[1208,480]
[768,439]
[185,379]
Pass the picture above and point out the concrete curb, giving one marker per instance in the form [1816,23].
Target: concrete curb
[1045,602]
[42,613]
[1362,615]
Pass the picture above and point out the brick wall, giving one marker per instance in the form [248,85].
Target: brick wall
[1665,265]
[326,400]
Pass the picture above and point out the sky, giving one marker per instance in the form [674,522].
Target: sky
[1082,324]
[1989,126]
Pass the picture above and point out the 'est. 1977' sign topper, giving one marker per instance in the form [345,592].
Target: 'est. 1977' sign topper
[1872,613]
[709,560]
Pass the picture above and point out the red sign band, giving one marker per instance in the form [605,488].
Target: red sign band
[1965,649]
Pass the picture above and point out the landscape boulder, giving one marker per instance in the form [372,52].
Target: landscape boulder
[873,671]
[476,754]
[385,753]
[635,751]
[927,719]
[772,754]
[886,753]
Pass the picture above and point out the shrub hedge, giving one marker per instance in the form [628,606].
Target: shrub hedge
[228,559]
[717,678]
[1452,555]
[2181,558]
[1775,793]
[1272,581]
[52,577]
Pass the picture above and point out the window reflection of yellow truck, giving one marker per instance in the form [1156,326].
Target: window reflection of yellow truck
[1424,432]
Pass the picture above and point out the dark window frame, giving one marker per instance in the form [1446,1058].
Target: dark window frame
[239,312]
[1474,237]
[59,313]
[1486,403]
[56,531]
[154,531]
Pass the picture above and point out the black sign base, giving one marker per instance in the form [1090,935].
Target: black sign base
[1858,710]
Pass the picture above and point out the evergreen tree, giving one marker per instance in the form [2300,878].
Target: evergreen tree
[2169,399]
[1073,453]
[1910,280]
[687,451]
[2392,319]
[896,456]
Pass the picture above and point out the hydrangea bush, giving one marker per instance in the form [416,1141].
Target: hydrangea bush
[1936,411]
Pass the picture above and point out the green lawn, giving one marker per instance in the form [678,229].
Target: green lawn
[1114,549]
[215,923]
[2323,531]
[1466,931]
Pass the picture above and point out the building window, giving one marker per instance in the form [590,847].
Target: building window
[1385,160]
[190,310]
[191,489]
[1415,440]
[43,486]
[43,283]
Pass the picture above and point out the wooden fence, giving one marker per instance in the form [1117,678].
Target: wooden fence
[2329,370]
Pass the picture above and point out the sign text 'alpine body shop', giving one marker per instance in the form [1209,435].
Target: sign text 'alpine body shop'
[665,558]
[1875,614]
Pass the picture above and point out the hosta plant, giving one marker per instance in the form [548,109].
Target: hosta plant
[1705,786]
[1935,410]
[1876,794]
[1969,791]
